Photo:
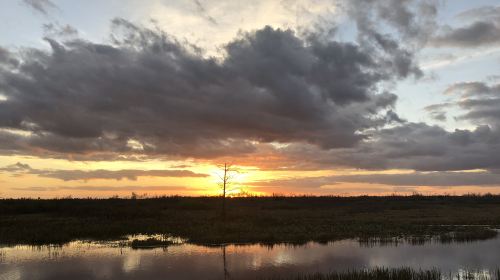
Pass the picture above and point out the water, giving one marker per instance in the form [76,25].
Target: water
[93,260]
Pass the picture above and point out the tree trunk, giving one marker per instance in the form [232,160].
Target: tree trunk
[224,192]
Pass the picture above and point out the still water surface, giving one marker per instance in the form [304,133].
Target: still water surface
[94,260]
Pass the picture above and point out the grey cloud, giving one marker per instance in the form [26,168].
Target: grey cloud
[130,174]
[481,109]
[128,188]
[17,167]
[433,179]
[297,183]
[438,111]
[420,146]
[69,175]
[331,190]
[424,147]
[105,188]
[57,30]
[474,35]
[415,146]
[411,21]
[7,59]
[181,166]
[203,12]
[35,189]
[438,107]
[480,101]
[493,78]
[351,190]
[84,98]
[470,89]
[41,6]
[438,116]
[480,13]
[483,31]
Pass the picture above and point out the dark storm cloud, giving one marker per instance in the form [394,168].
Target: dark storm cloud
[41,6]
[148,89]
[70,175]
[482,31]
[432,179]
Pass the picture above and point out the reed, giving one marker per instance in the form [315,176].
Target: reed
[378,273]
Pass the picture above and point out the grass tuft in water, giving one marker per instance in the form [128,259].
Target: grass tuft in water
[149,243]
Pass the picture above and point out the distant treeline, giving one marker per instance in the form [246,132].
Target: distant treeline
[134,195]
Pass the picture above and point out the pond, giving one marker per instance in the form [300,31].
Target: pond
[109,260]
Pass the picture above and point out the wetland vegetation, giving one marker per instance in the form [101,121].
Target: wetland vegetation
[270,220]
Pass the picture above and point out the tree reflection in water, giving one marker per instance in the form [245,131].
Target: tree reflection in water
[224,263]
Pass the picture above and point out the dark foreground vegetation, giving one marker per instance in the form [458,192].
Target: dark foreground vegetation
[392,274]
[253,219]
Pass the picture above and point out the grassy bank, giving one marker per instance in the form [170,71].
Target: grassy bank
[256,219]
[393,274]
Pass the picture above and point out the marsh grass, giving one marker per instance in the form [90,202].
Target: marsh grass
[372,274]
[468,236]
[405,273]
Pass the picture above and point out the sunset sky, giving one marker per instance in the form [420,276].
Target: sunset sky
[348,97]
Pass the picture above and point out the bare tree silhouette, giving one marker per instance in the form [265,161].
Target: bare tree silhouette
[227,174]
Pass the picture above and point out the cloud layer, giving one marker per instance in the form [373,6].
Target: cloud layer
[148,93]
[19,169]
